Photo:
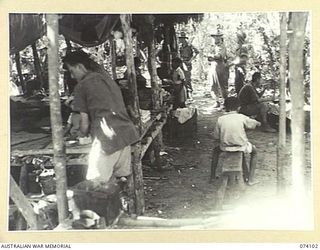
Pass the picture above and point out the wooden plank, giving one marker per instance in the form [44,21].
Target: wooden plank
[59,157]
[146,127]
[148,139]
[23,204]
[49,151]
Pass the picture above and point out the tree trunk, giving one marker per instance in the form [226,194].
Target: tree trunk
[56,119]
[296,43]
[37,65]
[282,113]
[134,103]
[18,64]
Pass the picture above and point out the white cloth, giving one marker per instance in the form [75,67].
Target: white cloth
[184,114]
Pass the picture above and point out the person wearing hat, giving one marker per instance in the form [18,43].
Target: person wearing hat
[187,53]
[218,71]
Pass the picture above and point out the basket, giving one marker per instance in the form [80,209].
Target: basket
[48,184]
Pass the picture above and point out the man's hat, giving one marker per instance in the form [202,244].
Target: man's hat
[218,31]
[183,35]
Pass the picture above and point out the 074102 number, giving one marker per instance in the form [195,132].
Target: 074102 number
[312,246]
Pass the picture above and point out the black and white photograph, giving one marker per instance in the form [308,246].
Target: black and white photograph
[160,121]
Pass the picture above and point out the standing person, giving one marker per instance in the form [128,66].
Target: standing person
[99,101]
[218,70]
[252,103]
[187,53]
[240,72]
[231,135]
[178,80]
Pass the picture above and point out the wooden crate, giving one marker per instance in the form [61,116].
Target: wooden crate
[104,200]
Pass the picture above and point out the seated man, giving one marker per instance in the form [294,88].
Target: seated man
[231,135]
[252,104]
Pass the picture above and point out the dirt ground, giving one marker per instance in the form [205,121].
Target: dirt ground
[182,189]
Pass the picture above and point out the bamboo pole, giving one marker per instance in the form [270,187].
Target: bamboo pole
[18,65]
[23,204]
[282,113]
[55,116]
[37,65]
[296,43]
[134,103]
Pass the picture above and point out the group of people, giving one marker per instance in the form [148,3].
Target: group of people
[99,108]
[247,110]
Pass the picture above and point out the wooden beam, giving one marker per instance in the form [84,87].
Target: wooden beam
[134,103]
[148,139]
[49,151]
[282,103]
[37,65]
[296,44]
[23,179]
[113,58]
[23,204]
[59,158]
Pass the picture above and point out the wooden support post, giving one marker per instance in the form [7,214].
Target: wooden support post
[296,42]
[23,204]
[37,65]
[56,119]
[69,46]
[23,179]
[152,64]
[134,103]
[282,113]
[113,58]
[156,100]
[18,65]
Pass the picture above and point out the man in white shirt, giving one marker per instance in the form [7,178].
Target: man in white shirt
[232,137]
